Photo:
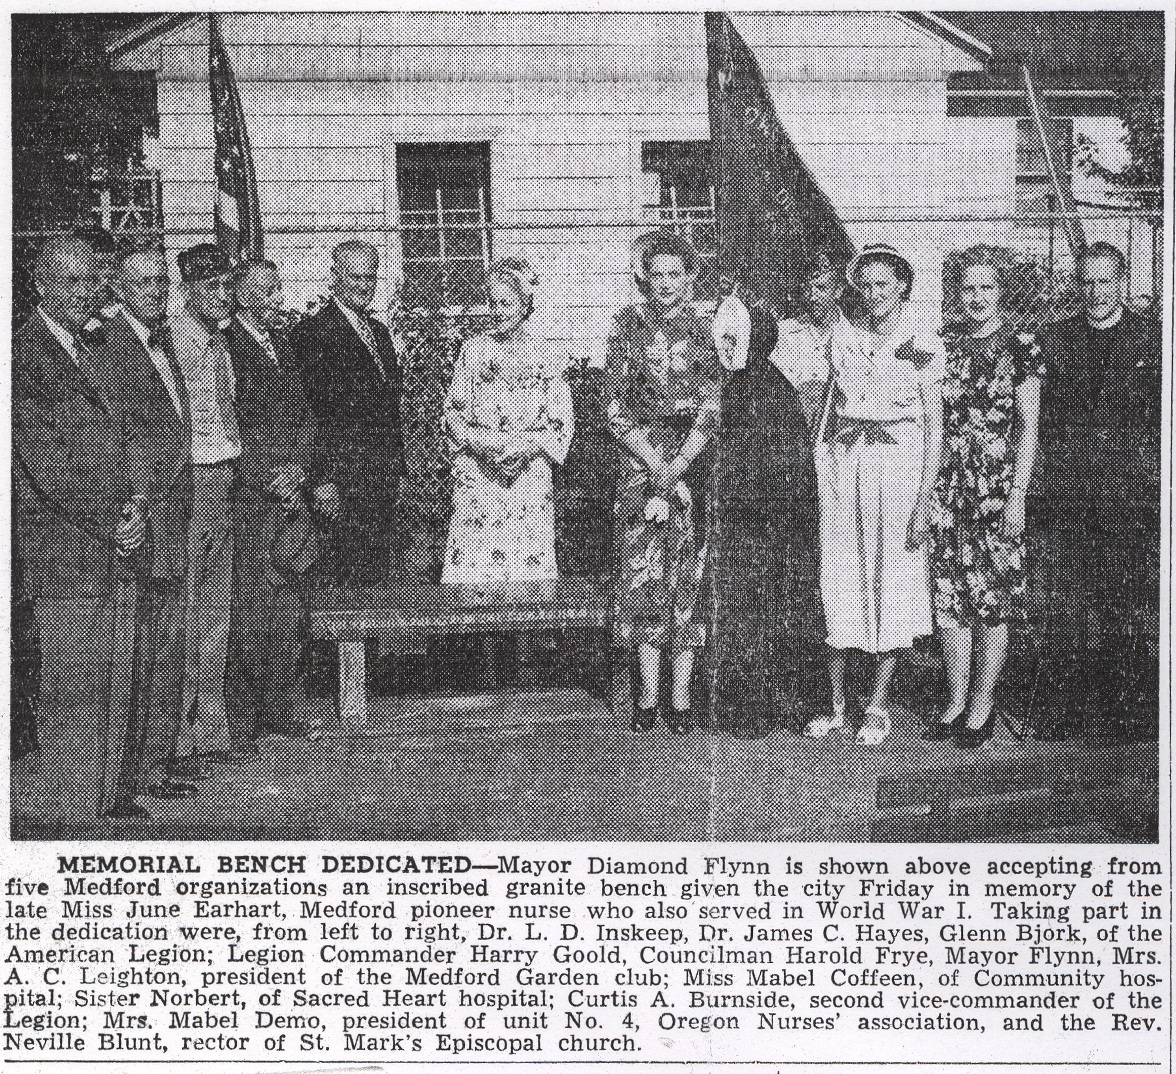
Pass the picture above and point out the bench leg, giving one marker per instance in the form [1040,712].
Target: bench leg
[352,686]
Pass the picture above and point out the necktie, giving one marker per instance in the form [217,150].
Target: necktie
[226,396]
[369,341]
[159,340]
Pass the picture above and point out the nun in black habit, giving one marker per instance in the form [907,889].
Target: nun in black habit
[766,667]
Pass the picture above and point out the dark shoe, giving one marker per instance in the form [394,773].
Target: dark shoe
[187,769]
[168,789]
[678,722]
[968,739]
[643,720]
[128,811]
[939,731]
[216,757]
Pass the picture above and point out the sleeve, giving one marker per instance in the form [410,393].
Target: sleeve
[307,345]
[706,421]
[931,359]
[614,385]
[1028,357]
[459,398]
[556,438]
[47,453]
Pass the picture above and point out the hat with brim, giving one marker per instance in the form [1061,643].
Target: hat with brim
[875,251]
[203,262]
[294,548]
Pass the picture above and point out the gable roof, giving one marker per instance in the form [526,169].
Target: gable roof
[125,37]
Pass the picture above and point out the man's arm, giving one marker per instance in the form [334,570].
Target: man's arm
[46,443]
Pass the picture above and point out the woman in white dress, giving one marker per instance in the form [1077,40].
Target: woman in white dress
[509,418]
[877,457]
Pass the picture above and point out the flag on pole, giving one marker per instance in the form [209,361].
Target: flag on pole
[237,211]
[770,212]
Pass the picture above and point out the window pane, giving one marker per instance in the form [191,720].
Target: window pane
[456,175]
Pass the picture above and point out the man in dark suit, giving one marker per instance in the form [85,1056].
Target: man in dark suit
[1098,513]
[78,522]
[138,354]
[352,379]
[268,636]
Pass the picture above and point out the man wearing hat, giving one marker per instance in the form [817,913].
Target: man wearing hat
[203,359]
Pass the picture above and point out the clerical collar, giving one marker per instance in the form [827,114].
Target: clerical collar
[1110,322]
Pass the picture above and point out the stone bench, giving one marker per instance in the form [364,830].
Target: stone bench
[401,616]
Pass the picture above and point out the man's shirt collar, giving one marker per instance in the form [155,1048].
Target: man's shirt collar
[62,334]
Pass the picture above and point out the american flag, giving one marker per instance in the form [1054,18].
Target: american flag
[770,211]
[237,211]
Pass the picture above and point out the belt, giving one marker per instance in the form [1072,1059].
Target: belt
[849,431]
[229,463]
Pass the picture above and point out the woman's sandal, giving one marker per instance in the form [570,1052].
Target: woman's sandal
[824,726]
[876,727]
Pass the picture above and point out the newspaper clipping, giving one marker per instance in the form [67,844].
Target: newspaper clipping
[589,537]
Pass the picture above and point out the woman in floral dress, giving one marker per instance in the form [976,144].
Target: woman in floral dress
[509,418]
[661,399]
[992,396]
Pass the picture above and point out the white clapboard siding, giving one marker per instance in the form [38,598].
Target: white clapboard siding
[565,101]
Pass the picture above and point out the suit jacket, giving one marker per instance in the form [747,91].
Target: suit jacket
[70,479]
[159,443]
[355,401]
[1100,423]
[277,427]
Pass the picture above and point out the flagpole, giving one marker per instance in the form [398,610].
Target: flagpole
[1075,234]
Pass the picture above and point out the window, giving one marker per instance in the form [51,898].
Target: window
[1034,190]
[444,193]
[686,201]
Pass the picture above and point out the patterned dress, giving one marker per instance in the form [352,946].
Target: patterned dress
[979,573]
[504,530]
[661,376]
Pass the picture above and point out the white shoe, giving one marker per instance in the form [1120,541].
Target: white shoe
[823,726]
[876,727]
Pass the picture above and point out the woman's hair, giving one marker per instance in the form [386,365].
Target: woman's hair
[998,258]
[518,275]
[668,244]
[823,261]
[898,265]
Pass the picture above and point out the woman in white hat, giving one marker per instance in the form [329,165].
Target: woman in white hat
[878,450]
[509,418]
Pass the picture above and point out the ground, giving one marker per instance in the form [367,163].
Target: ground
[552,765]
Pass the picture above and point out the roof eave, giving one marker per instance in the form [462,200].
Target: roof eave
[950,33]
[143,33]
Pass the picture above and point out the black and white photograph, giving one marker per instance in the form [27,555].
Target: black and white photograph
[652,426]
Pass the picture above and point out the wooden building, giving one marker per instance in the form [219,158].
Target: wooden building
[450,138]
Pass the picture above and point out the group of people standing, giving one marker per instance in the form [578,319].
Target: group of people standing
[183,480]
[921,445]
[183,474]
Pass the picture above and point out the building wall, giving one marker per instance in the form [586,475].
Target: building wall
[566,101]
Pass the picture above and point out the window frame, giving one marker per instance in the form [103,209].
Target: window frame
[395,213]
